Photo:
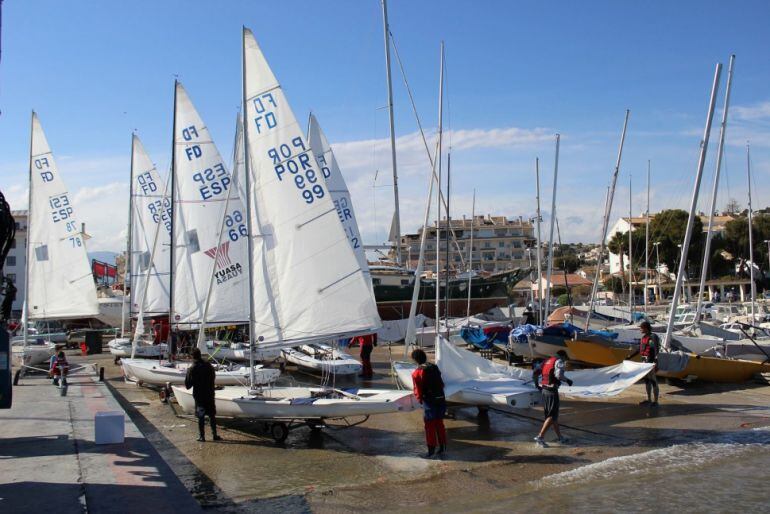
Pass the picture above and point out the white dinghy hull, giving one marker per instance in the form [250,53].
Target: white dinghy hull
[290,403]
[32,354]
[323,359]
[238,352]
[121,347]
[156,373]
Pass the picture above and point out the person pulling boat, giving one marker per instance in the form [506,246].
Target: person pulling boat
[649,348]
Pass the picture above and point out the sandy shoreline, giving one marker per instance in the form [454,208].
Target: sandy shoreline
[376,466]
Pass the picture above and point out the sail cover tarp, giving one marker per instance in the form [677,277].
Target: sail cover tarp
[395,330]
[61,284]
[150,213]
[202,186]
[306,279]
[465,370]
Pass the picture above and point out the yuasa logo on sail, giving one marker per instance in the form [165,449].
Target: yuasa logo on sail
[225,268]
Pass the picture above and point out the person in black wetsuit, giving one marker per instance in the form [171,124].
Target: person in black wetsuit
[200,376]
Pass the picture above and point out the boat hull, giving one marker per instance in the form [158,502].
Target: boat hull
[155,373]
[291,403]
[323,359]
[709,369]
[394,300]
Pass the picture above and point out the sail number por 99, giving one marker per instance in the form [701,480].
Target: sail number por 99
[298,166]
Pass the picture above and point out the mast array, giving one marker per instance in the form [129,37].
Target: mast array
[693,205]
[550,239]
[438,195]
[715,187]
[396,213]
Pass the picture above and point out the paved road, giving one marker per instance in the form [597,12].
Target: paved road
[49,461]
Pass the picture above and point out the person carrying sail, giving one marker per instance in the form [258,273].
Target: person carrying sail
[429,391]
[547,377]
[200,377]
[649,347]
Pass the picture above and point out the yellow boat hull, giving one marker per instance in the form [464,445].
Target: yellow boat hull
[709,369]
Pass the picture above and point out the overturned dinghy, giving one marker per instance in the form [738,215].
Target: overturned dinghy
[301,403]
[160,373]
[470,379]
[323,358]
[36,351]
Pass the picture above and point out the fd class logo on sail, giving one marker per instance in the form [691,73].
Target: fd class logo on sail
[225,268]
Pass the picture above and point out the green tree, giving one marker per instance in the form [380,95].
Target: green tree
[568,262]
[736,238]
[619,245]
[668,228]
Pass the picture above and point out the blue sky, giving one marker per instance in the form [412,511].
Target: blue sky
[517,72]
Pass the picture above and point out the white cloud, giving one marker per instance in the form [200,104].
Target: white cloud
[758,111]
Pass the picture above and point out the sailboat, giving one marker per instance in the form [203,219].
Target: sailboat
[305,281]
[147,254]
[472,380]
[324,357]
[58,282]
[207,285]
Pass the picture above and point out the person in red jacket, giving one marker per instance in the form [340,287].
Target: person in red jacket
[547,377]
[367,343]
[429,391]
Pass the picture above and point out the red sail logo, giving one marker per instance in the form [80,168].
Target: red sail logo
[222,256]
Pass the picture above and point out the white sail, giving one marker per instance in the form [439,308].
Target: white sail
[306,279]
[150,212]
[201,183]
[61,284]
[338,189]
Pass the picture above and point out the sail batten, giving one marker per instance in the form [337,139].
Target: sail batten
[60,282]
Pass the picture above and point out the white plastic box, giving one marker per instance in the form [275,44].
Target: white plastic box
[109,427]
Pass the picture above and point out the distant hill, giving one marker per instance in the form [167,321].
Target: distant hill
[108,257]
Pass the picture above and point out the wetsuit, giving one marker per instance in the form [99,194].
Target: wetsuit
[429,391]
[200,376]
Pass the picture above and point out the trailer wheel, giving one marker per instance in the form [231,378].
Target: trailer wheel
[279,431]
[16,377]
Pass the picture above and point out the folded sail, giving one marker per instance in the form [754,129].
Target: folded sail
[201,190]
[150,212]
[60,281]
[338,189]
[307,281]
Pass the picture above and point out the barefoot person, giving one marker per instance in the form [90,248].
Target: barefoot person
[548,377]
[429,391]
[200,376]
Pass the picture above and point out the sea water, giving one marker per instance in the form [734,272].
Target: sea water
[727,473]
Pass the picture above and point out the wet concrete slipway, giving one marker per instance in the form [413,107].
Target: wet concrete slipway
[492,464]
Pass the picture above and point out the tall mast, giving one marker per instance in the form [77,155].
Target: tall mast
[25,306]
[448,224]
[397,212]
[173,217]
[538,219]
[249,224]
[751,238]
[630,253]
[693,205]
[438,194]
[607,213]
[715,187]
[647,241]
[553,220]
[127,262]
[470,256]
